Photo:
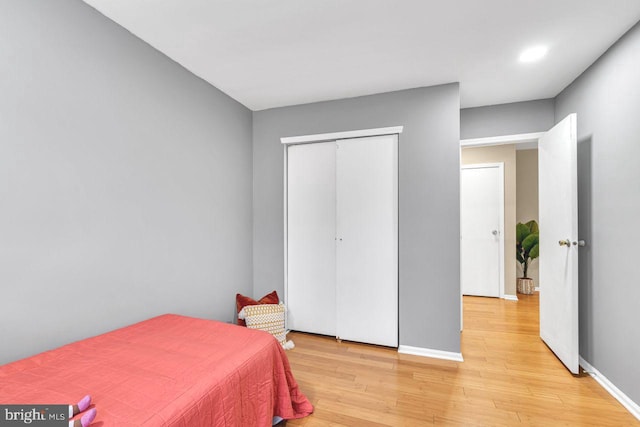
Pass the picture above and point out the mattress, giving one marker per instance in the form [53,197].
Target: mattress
[170,370]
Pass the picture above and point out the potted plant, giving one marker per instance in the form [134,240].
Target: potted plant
[527,249]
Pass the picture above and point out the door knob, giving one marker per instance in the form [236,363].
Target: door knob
[565,242]
[494,232]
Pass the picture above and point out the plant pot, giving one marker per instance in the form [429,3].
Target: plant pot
[526,286]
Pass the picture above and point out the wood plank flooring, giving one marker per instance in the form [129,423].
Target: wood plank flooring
[509,377]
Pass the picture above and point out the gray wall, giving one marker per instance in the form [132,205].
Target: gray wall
[125,181]
[507,119]
[606,98]
[429,258]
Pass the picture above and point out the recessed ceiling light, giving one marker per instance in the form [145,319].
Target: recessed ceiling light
[533,54]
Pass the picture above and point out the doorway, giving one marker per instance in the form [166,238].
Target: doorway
[505,155]
[557,150]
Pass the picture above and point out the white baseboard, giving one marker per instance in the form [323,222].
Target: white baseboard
[537,288]
[614,391]
[427,352]
[510,297]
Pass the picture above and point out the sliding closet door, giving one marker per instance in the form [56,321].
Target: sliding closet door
[367,244]
[311,245]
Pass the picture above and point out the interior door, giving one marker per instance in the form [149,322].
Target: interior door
[481,229]
[558,262]
[367,240]
[311,246]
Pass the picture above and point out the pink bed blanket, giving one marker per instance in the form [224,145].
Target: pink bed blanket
[167,371]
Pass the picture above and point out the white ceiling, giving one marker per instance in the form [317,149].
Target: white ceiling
[284,52]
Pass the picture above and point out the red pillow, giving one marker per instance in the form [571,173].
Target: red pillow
[242,301]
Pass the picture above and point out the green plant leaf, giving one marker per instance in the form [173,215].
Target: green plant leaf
[522,231]
[529,242]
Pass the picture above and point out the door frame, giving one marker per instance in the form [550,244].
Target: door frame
[501,254]
[530,140]
[315,138]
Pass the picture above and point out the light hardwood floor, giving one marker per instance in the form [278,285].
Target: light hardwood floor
[509,377]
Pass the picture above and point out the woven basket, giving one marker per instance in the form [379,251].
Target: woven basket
[526,286]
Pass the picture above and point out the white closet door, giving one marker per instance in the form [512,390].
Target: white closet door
[367,244]
[311,248]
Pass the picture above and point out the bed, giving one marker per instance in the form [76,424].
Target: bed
[170,370]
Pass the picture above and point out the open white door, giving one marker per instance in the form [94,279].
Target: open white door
[558,213]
